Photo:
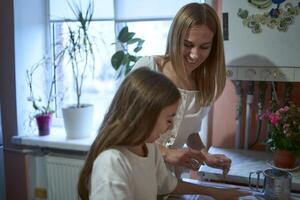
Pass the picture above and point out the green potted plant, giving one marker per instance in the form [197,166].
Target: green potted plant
[283,133]
[41,104]
[79,51]
[123,60]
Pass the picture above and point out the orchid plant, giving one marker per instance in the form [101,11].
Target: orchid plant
[42,105]
[283,127]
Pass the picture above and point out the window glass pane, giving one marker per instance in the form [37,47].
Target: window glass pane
[154,33]
[60,9]
[145,9]
[98,90]
[124,9]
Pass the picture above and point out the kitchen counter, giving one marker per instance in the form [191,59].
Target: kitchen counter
[254,196]
[243,162]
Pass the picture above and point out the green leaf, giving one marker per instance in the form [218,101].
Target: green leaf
[128,69]
[141,42]
[137,49]
[123,34]
[125,39]
[132,58]
[130,36]
[139,46]
[126,60]
[117,59]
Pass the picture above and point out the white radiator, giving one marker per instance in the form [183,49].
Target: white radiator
[62,175]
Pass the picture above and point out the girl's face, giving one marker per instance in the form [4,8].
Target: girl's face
[197,46]
[164,122]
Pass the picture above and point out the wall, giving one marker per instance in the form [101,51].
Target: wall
[281,48]
[269,48]
[224,125]
[16,51]
[14,162]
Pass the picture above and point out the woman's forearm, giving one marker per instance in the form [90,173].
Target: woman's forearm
[194,142]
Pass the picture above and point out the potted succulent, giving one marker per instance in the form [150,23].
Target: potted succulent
[122,60]
[42,104]
[78,50]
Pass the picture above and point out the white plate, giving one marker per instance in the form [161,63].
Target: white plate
[270,163]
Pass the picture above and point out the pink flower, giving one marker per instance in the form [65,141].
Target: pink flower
[274,118]
[286,127]
[284,109]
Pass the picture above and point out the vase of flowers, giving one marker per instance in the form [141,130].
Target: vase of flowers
[283,133]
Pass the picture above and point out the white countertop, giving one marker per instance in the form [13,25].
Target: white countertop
[243,162]
[56,139]
[253,195]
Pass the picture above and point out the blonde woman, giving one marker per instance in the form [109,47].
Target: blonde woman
[194,62]
[123,162]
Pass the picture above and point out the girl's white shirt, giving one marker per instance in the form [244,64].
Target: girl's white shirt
[189,115]
[120,174]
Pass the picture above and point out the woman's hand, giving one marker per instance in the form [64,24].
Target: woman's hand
[219,161]
[188,158]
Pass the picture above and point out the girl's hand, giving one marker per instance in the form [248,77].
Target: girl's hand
[188,158]
[219,161]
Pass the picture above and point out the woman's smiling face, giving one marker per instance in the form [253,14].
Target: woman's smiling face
[197,46]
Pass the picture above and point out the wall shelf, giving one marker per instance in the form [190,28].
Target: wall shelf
[249,73]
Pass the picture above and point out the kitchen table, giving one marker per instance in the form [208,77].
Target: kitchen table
[253,195]
[243,162]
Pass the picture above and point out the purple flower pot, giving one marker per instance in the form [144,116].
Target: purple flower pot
[44,123]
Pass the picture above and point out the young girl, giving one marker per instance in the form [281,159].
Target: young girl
[123,162]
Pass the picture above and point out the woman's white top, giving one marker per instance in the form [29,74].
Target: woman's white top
[120,174]
[189,114]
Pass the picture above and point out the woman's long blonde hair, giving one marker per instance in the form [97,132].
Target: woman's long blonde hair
[131,116]
[210,77]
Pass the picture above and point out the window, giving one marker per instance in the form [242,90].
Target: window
[151,24]
[158,38]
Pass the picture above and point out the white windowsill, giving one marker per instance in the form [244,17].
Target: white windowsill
[56,139]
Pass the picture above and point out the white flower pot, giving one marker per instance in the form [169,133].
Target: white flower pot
[78,121]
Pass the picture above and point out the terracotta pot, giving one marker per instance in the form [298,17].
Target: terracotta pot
[44,123]
[284,159]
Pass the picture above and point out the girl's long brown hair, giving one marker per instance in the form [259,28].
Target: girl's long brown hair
[210,77]
[131,116]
